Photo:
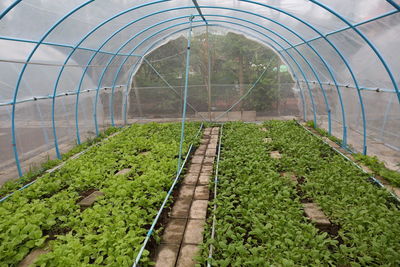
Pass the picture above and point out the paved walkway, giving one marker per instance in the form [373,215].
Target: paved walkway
[185,225]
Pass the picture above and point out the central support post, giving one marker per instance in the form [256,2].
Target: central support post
[185,92]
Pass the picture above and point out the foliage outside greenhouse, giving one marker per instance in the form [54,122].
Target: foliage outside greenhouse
[199,133]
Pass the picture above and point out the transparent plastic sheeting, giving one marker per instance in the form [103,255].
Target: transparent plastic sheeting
[66,66]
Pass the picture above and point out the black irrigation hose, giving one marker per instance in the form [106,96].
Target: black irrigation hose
[215,196]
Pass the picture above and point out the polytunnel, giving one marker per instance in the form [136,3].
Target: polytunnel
[99,97]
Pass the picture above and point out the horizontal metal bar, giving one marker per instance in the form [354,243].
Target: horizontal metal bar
[42,97]
[345,28]
[61,45]
[361,88]
[370,136]
[51,64]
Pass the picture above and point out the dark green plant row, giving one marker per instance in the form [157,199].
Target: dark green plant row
[369,219]
[33,173]
[259,217]
[112,230]
[377,166]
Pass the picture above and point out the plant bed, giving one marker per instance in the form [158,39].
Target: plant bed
[259,214]
[259,217]
[52,165]
[369,221]
[112,230]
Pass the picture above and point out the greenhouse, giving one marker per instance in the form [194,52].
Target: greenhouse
[199,133]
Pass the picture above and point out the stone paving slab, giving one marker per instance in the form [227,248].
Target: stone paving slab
[268,140]
[122,172]
[211,151]
[194,168]
[32,257]
[204,141]
[212,145]
[186,192]
[204,179]
[187,255]
[90,199]
[202,192]
[181,208]
[315,214]
[291,176]
[209,160]
[207,131]
[275,155]
[215,131]
[202,148]
[191,179]
[174,231]
[206,169]
[197,159]
[167,255]
[198,209]
[194,231]
[214,138]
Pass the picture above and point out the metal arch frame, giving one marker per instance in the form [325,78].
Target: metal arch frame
[366,39]
[113,88]
[343,58]
[9,8]
[249,34]
[329,68]
[131,9]
[86,68]
[133,69]
[394,4]
[355,25]
[118,50]
[55,25]
[315,2]
[99,84]
[314,50]
[301,55]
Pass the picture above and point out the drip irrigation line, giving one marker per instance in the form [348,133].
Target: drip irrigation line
[43,97]
[62,164]
[150,232]
[215,197]
[371,178]
[247,93]
[376,89]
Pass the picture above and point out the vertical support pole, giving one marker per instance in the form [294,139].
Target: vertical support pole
[388,107]
[209,73]
[125,96]
[185,93]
